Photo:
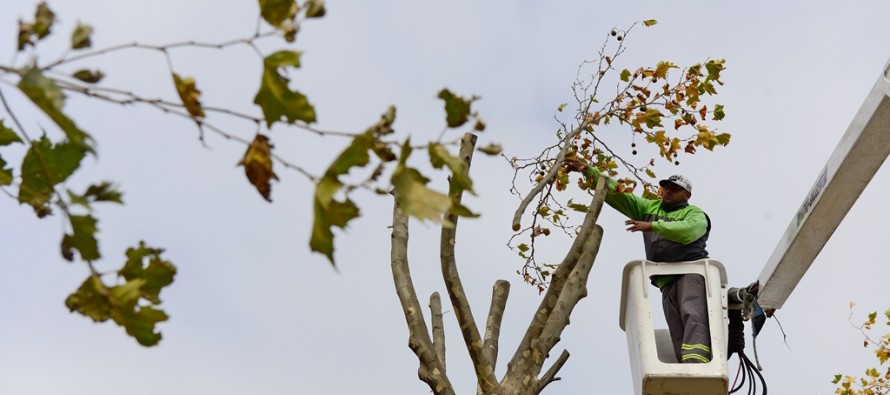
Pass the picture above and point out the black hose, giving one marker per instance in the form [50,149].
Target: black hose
[736,337]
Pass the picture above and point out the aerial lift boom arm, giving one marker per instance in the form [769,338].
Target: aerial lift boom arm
[854,162]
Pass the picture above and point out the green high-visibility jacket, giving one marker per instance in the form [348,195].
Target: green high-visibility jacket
[679,233]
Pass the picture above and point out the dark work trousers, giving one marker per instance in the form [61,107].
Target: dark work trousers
[685,303]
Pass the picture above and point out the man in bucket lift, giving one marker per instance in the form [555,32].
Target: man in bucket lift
[673,231]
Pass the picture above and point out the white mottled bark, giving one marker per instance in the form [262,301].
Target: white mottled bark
[432,368]
[568,286]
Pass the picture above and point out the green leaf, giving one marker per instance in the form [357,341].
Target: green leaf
[26,30]
[625,75]
[125,296]
[257,162]
[327,215]
[457,109]
[43,20]
[314,8]
[837,379]
[329,212]
[662,68]
[714,68]
[277,12]
[7,135]
[5,174]
[80,38]
[45,165]
[275,97]
[723,138]
[91,300]
[104,192]
[48,97]
[89,76]
[384,126]
[140,323]
[121,303]
[523,247]
[157,274]
[354,155]
[189,94]
[649,22]
[283,59]
[579,207]
[652,117]
[439,156]
[412,194]
[82,239]
[719,113]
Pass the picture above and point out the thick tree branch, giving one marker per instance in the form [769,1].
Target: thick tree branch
[459,300]
[561,275]
[567,288]
[573,292]
[499,294]
[550,375]
[438,328]
[431,369]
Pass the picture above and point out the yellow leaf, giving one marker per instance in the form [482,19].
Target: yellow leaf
[189,94]
[257,162]
[662,68]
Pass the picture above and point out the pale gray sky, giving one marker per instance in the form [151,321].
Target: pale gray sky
[253,312]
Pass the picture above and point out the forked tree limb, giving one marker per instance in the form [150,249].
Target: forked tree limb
[432,369]
[574,290]
[552,315]
[459,301]
[561,275]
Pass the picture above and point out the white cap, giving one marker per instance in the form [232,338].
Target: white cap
[679,180]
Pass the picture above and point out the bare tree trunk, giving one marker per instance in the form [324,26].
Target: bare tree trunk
[568,287]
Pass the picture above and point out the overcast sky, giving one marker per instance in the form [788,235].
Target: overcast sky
[253,312]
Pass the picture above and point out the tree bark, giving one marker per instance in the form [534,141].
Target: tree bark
[432,368]
[438,328]
[568,287]
[459,301]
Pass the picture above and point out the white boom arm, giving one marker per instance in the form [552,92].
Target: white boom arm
[854,162]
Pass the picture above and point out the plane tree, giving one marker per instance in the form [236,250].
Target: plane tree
[664,107]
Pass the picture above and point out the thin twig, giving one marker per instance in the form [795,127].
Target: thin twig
[137,45]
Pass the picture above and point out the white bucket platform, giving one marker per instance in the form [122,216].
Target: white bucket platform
[653,364]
